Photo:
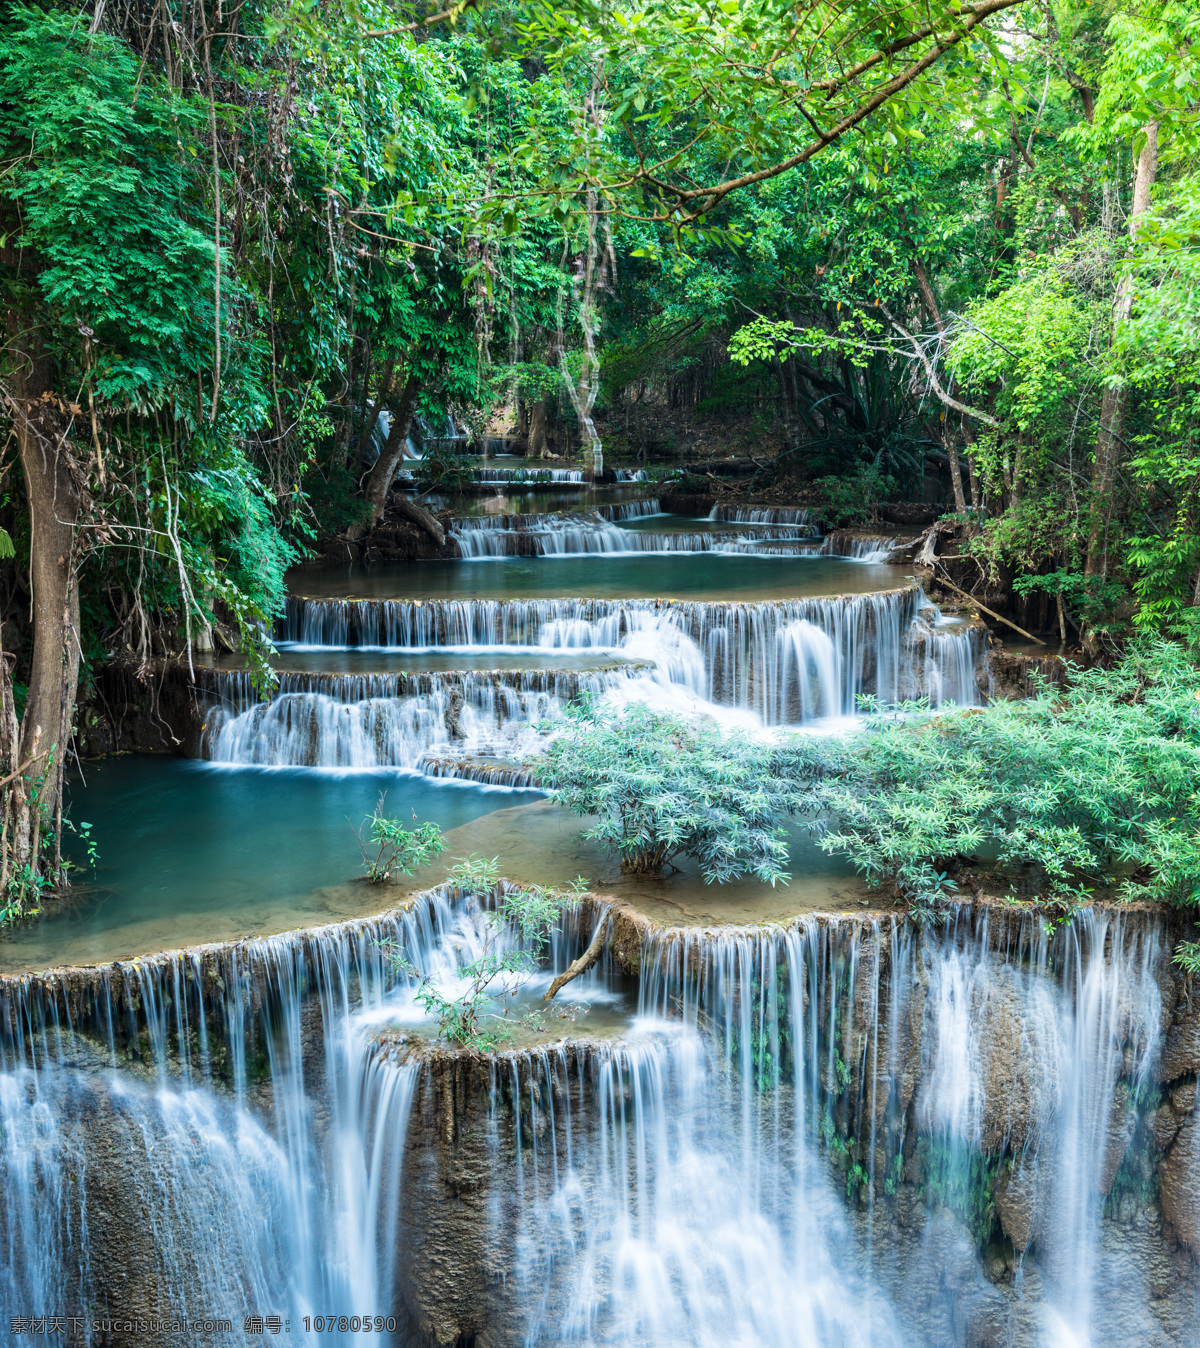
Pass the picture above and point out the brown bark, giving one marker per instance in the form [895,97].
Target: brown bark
[943,579]
[385,384]
[539,444]
[1112,403]
[388,463]
[53,512]
[973,476]
[789,410]
[580,966]
[424,519]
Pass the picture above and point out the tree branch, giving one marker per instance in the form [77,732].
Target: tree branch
[709,197]
[934,384]
[580,966]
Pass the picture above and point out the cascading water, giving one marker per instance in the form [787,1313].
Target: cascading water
[754,654]
[818,1133]
[630,510]
[146,1172]
[583,535]
[371,721]
[528,475]
[765,664]
[697,1205]
[760,515]
[859,548]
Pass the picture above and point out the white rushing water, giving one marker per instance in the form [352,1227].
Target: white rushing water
[597,532]
[366,722]
[221,1200]
[688,1185]
[749,666]
[760,515]
[704,1207]
[562,476]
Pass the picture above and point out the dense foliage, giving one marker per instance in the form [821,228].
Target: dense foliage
[662,787]
[942,252]
[1081,790]
[1077,789]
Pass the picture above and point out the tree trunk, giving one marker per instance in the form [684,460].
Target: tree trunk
[421,517]
[385,385]
[1112,404]
[539,445]
[53,513]
[789,411]
[972,474]
[590,957]
[949,439]
[392,454]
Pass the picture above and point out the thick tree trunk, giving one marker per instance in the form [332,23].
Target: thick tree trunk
[1112,404]
[391,456]
[379,484]
[54,671]
[972,474]
[385,385]
[539,444]
[421,517]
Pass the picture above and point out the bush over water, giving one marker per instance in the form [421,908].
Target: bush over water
[1077,789]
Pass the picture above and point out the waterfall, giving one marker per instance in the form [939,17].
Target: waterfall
[630,510]
[760,515]
[580,535]
[253,1158]
[785,661]
[813,1132]
[1041,1062]
[516,476]
[187,1193]
[370,721]
[859,549]
[632,475]
[671,1223]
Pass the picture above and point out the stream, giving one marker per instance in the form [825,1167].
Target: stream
[765,1117]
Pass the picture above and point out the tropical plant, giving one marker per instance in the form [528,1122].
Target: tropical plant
[663,787]
[396,848]
[1092,785]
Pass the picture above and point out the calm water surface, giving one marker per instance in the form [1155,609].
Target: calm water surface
[704,575]
[190,853]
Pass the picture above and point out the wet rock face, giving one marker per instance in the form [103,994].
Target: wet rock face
[128,709]
[1179,1169]
[960,1110]
[478,1129]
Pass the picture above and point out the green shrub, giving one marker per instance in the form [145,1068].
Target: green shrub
[1093,784]
[397,849]
[664,787]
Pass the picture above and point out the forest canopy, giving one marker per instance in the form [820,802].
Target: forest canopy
[872,248]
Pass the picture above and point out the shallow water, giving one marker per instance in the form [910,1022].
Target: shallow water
[191,853]
[603,576]
[332,661]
